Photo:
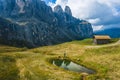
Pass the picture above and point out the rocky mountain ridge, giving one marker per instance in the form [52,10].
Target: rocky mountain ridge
[32,23]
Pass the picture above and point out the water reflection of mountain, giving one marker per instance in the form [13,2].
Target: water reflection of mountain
[69,65]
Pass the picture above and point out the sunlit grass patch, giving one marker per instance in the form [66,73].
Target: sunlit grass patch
[33,64]
[8,68]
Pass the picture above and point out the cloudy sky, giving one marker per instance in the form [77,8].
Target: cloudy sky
[101,13]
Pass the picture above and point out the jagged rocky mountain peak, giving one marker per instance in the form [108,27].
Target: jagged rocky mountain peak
[58,9]
[68,10]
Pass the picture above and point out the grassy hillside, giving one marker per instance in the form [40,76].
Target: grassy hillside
[33,64]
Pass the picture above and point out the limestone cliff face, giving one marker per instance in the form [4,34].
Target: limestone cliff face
[32,23]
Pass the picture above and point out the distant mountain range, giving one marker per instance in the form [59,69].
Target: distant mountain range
[32,23]
[112,32]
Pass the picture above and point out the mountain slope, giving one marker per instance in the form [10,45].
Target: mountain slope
[32,23]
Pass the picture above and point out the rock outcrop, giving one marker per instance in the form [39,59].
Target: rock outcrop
[68,10]
[32,23]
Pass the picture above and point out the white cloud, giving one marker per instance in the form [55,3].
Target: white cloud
[96,28]
[51,4]
[98,12]
[94,21]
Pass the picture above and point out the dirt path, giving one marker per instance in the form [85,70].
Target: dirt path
[108,45]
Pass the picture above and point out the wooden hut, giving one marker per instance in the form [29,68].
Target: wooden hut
[101,39]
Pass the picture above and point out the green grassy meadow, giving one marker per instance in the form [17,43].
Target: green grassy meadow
[34,64]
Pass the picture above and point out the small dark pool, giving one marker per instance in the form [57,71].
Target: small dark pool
[69,65]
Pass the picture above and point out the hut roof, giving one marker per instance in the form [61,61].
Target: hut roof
[101,37]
